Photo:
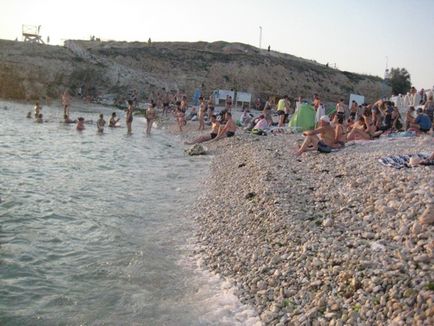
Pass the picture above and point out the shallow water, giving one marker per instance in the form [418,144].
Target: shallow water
[93,227]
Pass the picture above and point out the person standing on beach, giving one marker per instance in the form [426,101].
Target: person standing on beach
[201,115]
[151,115]
[66,101]
[283,110]
[129,116]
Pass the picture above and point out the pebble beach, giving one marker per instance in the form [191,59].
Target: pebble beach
[320,239]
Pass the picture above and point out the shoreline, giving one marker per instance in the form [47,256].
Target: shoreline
[332,238]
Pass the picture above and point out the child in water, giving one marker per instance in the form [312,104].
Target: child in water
[113,121]
[100,123]
[80,124]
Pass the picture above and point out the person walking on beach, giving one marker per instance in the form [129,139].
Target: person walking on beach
[129,116]
[151,115]
[66,101]
[100,123]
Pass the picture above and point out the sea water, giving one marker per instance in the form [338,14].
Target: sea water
[94,230]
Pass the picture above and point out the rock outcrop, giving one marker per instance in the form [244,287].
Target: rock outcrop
[35,70]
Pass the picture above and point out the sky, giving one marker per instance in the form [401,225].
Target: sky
[361,36]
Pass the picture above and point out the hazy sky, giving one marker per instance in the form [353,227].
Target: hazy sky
[357,35]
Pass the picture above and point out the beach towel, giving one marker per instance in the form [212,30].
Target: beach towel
[401,161]
[402,134]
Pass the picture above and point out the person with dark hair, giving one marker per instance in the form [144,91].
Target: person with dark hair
[228,130]
[215,126]
[422,122]
[282,110]
[100,123]
[113,120]
[80,124]
[151,115]
[129,116]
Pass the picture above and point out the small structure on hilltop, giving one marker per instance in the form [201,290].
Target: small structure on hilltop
[31,34]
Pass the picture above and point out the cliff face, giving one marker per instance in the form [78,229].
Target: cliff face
[34,70]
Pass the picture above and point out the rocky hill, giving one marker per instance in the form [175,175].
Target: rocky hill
[32,70]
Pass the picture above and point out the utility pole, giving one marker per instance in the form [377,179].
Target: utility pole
[260,37]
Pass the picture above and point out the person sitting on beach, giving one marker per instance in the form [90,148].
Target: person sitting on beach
[228,130]
[396,120]
[66,119]
[422,123]
[322,137]
[39,118]
[37,109]
[129,115]
[100,123]
[261,126]
[113,122]
[340,132]
[245,118]
[215,126]
[80,124]
[151,115]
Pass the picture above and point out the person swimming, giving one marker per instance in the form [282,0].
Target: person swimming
[80,124]
[29,115]
[39,119]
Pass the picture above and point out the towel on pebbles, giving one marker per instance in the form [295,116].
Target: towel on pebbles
[401,161]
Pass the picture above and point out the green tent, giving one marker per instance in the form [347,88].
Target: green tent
[303,119]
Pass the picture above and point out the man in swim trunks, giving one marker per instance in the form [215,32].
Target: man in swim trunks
[323,136]
[229,128]
[215,126]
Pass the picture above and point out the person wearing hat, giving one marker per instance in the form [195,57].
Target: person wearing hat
[321,139]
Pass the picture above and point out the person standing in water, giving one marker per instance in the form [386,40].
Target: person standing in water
[113,121]
[66,101]
[80,124]
[129,115]
[151,115]
[38,109]
[100,123]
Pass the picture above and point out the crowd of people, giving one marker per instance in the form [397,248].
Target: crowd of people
[409,115]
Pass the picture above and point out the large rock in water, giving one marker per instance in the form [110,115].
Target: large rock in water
[196,149]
